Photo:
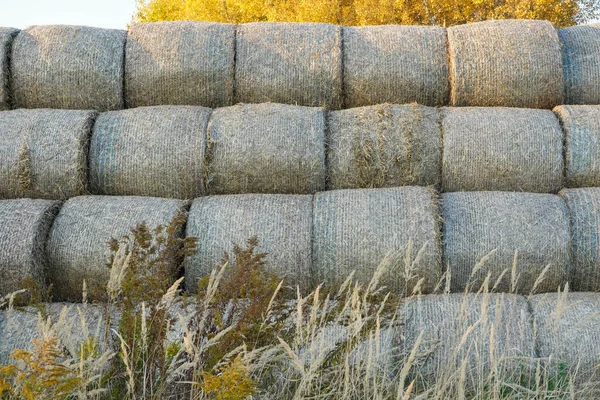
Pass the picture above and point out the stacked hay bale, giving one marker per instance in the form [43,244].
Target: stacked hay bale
[77,246]
[511,63]
[25,225]
[266,148]
[72,67]
[44,153]
[289,63]
[150,151]
[382,146]
[6,38]
[354,230]
[497,148]
[281,223]
[183,62]
[512,237]
[395,64]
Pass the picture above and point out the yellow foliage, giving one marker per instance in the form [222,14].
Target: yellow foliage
[230,383]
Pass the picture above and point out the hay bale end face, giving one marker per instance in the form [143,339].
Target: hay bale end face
[266,148]
[289,63]
[354,230]
[395,64]
[384,146]
[150,151]
[77,245]
[509,63]
[6,39]
[44,153]
[180,63]
[282,224]
[506,149]
[498,224]
[70,67]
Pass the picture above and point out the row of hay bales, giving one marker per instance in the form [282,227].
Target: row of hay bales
[543,338]
[514,63]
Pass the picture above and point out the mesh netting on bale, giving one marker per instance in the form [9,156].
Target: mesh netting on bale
[355,230]
[183,62]
[290,63]
[581,60]
[266,148]
[6,38]
[507,149]
[486,229]
[77,246]
[25,224]
[395,64]
[72,67]
[281,223]
[149,151]
[384,145]
[44,153]
[512,63]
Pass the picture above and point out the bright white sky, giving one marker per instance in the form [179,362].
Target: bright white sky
[99,13]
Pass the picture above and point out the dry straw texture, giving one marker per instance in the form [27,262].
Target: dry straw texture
[44,153]
[581,60]
[77,245]
[355,229]
[512,63]
[183,62]
[512,236]
[25,224]
[266,148]
[289,63]
[150,151]
[581,126]
[282,224]
[73,67]
[395,64]
[502,149]
[6,38]
[384,145]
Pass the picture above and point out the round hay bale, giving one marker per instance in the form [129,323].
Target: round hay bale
[395,64]
[510,63]
[354,230]
[532,224]
[182,62]
[266,148]
[149,151]
[384,146]
[6,38]
[506,149]
[581,60]
[282,224]
[289,63]
[73,67]
[77,245]
[44,153]
[581,125]
[25,225]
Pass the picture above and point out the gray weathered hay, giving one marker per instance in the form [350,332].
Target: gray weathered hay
[6,38]
[581,125]
[384,145]
[512,63]
[266,148]
[75,67]
[44,153]
[149,151]
[395,64]
[24,226]
[498,148]
[183,62]
[289,63]
[282,224]
[77,247]
[584,211]
[533,224]
[581,61]
[355,229]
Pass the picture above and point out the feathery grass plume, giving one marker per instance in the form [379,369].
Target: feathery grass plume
[6,39]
